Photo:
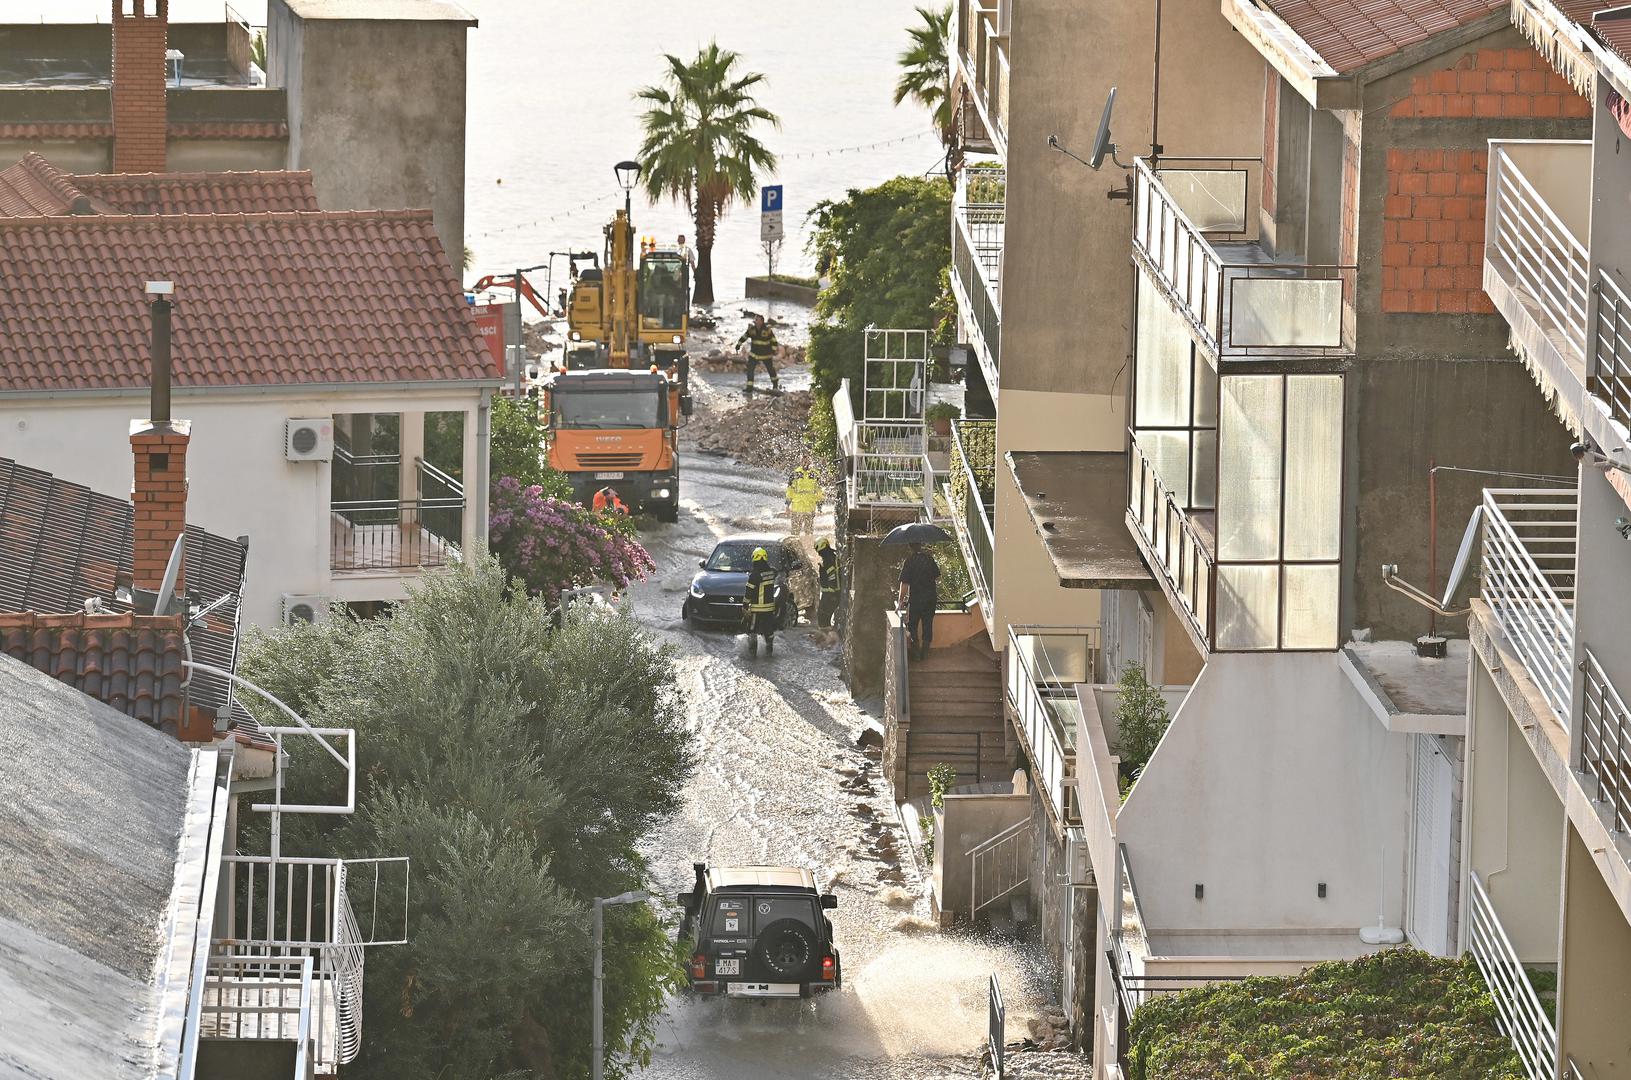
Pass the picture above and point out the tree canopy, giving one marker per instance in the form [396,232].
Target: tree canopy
[519,768]
[925,75]
[700,146]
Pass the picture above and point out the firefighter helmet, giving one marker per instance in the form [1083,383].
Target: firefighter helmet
[760,555]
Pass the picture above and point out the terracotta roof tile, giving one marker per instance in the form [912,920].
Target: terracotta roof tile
[199,193]
[228,129]
[34,186]
[1348,34]
[360,296]
[47,129]
[128,662]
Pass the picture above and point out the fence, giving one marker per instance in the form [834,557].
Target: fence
[996,1036]
[265,997]
[1517,1006]
[890,465]
[972,518]
[998,866]
[1528,582]
[1611,353]
[1605,741]
[1528,244]
[978,297]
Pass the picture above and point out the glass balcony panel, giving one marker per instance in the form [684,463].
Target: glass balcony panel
[1248,606]
[1169,454]
[1214,199]
[1311,606]
[1162,375]
[1249,464]
[1313,467]
[1203,489]
[1285,312]
[1206,395]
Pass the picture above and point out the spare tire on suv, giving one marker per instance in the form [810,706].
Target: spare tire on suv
[759,931]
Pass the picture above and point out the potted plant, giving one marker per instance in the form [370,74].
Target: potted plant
[940,415]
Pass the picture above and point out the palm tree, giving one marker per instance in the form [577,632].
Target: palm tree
[925,74]
[700,146]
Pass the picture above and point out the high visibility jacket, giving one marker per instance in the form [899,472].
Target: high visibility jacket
[761,595]
[829,575]
[804,492]
[761,341]
[603,504]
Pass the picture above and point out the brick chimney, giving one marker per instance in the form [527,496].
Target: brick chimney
[159,444]
[140,38]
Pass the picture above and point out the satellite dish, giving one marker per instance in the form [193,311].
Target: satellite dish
[1463,556]
[172,570]
[1102,146]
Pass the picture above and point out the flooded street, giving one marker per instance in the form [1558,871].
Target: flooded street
[783,781]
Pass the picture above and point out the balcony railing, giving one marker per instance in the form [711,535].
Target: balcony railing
[266,998]
[1610,372]
[1517,1006]
[982,42]
[1533,252]
[1239,302]
[977,236]
[890,465]
[1176,543]
[970,515]
[1528,582]
[1044,665]
[1605,741]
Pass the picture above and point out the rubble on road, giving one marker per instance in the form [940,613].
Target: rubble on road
[1026,1061]
[767,432]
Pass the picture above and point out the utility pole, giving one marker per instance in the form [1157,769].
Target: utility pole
[597,1064]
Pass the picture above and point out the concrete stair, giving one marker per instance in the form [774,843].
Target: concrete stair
[956,714]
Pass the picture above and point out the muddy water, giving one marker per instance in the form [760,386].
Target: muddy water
[783,782]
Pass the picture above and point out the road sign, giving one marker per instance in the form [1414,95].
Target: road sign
[770,213]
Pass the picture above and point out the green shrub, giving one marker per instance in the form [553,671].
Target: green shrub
[1142,716]
[1400,1013]
[942,410]
[941,780]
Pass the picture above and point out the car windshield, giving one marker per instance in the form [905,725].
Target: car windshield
[734,558]
[608,408]
[741,916]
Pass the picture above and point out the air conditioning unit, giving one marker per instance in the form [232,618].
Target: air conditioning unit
[1079,866]
[308,440]
[1005,17]
[304,609]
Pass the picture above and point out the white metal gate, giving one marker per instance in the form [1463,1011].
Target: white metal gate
[1429,922]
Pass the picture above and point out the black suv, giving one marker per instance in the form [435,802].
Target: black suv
[759,931]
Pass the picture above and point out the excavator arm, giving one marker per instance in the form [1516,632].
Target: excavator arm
[508,281]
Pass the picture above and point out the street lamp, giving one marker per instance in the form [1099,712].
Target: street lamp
[627,172]
[638,896]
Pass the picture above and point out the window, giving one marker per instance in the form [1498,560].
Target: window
[641,408]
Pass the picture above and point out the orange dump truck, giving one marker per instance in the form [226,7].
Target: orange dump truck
[619,428]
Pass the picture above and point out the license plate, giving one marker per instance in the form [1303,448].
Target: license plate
[763,989]
[608,476]
[727,967]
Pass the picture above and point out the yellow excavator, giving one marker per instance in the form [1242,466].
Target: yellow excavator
[614,409]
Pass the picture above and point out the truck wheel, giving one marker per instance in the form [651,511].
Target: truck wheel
[669,512]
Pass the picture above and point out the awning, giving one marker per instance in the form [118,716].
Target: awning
[1077,500]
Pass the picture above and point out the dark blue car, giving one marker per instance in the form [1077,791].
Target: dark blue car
[719,586]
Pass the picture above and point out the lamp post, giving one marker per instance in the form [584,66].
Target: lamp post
[597,1061]
[627,172]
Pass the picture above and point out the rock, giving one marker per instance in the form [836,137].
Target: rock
[870,739]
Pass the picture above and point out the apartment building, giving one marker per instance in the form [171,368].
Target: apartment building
[1306,314]
[1546,898]
[1042,280]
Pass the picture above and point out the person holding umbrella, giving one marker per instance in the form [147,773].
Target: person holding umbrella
[919,576]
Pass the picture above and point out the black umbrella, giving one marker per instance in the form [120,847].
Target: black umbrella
[917,532]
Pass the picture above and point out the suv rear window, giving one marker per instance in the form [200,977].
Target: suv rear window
[745,916]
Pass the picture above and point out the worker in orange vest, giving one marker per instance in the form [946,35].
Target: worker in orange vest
[606,501]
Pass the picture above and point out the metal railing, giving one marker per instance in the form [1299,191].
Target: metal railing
[1609,375]
[972,519]
[1517,1006]
[890,465]
[1528,244]
[1032,682]
[999,866]
[1528,582]
[1237,309]
[1605,740]
[1121,962]
[395,534]
[978,297]
[984,57]
[264,997]
[1185,559]
[996,1034]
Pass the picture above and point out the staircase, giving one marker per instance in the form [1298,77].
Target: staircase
[955,716]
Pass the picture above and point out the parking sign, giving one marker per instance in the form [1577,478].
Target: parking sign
[770,213]
[770,199]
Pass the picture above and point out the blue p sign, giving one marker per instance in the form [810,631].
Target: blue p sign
[770,199]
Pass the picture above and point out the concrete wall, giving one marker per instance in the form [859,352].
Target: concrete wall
[1603,587]
[376,112]
[1594,998]
[238,480]
[1514,822]
[965,822]
[1273,777]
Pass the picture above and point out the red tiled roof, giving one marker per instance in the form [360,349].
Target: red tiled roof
[361,296]
[129,662]
[199,193]
[1348,34]
[45,129]
[176,129]
[35,187]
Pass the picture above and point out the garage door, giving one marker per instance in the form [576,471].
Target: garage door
[1430,847]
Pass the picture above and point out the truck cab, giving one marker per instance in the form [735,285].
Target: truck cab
[618,429]
[759,932]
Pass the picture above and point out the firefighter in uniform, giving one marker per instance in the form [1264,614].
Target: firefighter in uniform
[759,605]
[761,343]
[827,607]
[803,498]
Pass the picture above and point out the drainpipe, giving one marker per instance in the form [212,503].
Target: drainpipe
[478,501]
